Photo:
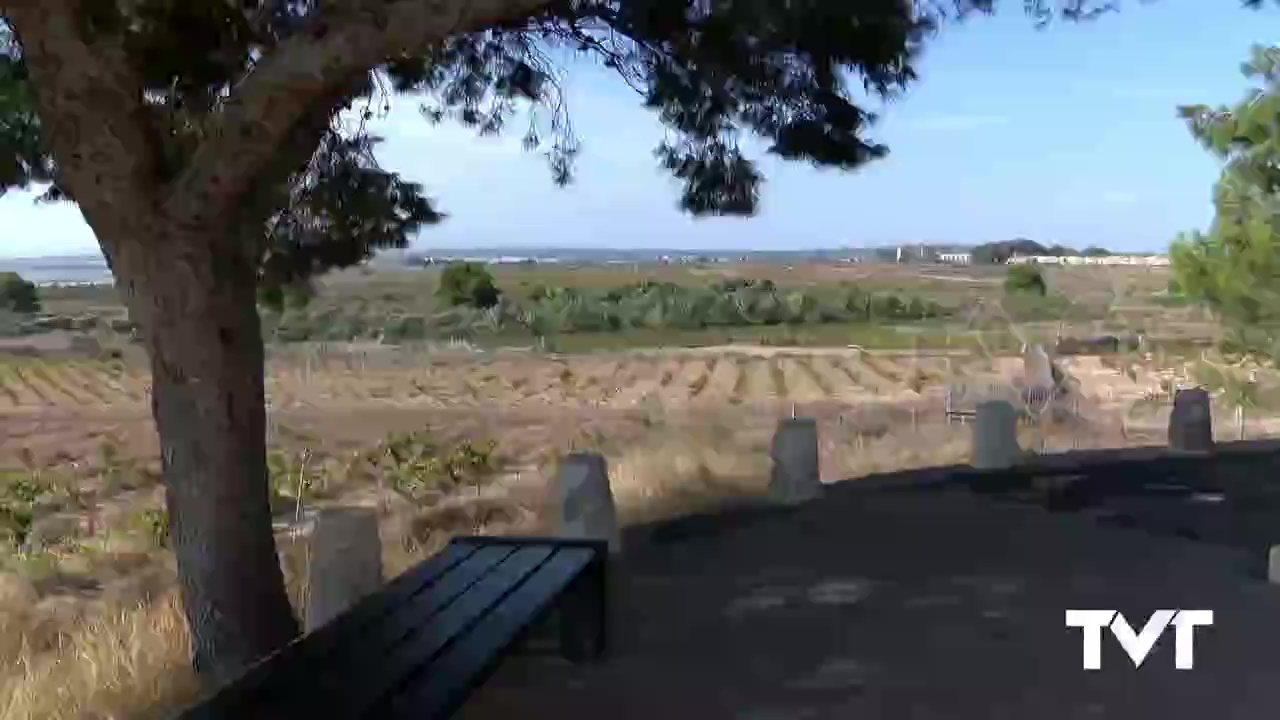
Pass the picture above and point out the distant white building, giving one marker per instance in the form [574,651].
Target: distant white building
[955,258]
[1148,260]
[912,253]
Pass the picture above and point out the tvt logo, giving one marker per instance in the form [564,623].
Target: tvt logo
[1139,644]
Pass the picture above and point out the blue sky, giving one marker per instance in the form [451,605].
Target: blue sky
[1065,135]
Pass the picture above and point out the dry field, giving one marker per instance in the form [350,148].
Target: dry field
[88,624]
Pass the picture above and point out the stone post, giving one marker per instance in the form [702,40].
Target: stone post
[587,509]
[344,564]
[795,476]
[995,435]
[1191,422]
[1273,564]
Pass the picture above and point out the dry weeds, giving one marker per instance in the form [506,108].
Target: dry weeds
[90,627]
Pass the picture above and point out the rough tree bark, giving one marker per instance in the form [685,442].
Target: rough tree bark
[190,286]
[194,299]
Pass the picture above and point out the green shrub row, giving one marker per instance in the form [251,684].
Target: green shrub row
[549,311]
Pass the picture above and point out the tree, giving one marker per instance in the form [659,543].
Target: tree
[998,253]
[1025,279]
[468,283]
[218,148]
[17,294]
[1234,268]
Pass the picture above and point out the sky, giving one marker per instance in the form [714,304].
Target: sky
[1065,135]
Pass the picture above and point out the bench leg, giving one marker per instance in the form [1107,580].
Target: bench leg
[583,615]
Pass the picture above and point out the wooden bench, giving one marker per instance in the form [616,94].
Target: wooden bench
[421,645]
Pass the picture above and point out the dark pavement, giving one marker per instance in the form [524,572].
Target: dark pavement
[892,605]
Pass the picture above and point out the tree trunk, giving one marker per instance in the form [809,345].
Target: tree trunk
[194,299]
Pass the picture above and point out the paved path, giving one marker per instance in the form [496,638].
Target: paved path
[887,605]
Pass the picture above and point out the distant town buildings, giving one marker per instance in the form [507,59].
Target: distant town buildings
[500,260]
[928,254]
[955,258]
[1149,260]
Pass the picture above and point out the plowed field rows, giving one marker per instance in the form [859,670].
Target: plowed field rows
[604,381]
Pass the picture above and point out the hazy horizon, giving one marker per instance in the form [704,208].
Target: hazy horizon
[533,250]
[1068,135]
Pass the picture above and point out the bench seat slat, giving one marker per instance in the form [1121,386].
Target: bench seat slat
[282,666]
[462,666]
[368,683]
[374,645]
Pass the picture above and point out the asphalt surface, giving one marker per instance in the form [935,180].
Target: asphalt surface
[906,605]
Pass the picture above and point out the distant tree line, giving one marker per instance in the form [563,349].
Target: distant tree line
[473,306]
[996,253]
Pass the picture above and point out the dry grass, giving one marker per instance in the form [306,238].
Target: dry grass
[91,629]
[124,663]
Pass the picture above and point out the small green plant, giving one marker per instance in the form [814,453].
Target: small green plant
[468,284]
[156,523]
[293,478]
[1025,279]
[24,489]
[418,468]
[19,491]
[15,524]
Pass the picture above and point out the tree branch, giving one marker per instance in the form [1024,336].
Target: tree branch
[293,81]
[91,108]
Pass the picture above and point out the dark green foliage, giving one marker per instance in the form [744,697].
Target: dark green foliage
[780,70]
[1234,268]
[419,466]
[550,311]
[997,253]
[1095,251]
[22,161]
[468,283]
[1025,279]
[1034,307]
[335,211]
[731,303]
[18,295]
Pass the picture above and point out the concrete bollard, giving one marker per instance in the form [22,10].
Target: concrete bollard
[1191,422]
[587,509]
[795,477]
[995,435]
[345,562]
[1273,564]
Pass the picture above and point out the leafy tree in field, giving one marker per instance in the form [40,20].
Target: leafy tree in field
[1025,279]
[218,148]
[18,295]
[1234,267]
[1095,251]
[468,283]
